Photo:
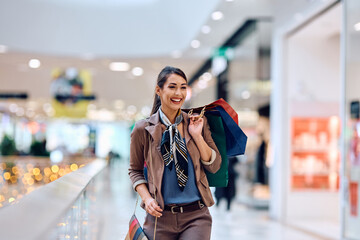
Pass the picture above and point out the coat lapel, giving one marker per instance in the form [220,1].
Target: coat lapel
[155,129]
[186,128]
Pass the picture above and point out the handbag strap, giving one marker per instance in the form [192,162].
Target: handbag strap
[156,218]
[137,198]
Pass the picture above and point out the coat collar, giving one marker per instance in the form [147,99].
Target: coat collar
[155,128]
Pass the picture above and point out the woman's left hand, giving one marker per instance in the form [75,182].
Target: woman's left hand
[196,126]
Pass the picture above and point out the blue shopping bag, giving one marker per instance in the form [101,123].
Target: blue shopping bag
[235,138]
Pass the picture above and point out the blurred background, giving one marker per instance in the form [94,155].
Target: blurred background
[76,75]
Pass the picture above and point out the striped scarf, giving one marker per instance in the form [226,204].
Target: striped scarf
[173,149]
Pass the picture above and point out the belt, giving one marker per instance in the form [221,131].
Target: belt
[185,208]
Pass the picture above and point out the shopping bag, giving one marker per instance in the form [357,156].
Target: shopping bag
[224,127]
[220,178]
[235,137]
[221,103]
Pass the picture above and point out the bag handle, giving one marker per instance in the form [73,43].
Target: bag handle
[190,113]
[137,198]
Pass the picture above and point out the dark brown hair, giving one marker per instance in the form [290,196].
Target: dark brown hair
[162,77]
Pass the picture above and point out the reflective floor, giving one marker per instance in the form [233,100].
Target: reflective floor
[240,223]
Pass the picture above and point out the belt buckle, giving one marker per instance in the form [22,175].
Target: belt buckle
[172,209]
[201,205]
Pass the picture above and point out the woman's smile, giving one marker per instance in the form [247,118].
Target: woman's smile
[176,100]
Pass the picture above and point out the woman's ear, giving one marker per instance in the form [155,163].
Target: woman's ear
[157,90]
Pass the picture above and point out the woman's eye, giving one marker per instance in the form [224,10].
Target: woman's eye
[184,88]
[171,87]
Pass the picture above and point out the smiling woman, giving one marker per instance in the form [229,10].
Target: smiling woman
[174,188]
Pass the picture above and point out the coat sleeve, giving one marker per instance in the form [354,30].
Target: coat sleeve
[215,162]
[136,170]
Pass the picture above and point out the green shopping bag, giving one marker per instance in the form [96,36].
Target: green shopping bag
[220,178]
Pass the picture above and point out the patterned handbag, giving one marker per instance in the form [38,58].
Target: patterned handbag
[135,230]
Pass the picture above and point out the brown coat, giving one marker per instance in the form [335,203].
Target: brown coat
[139,152]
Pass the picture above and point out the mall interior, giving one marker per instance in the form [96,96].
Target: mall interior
[76,75]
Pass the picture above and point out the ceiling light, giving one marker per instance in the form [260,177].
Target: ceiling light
[357,27]
[146,110]
[229,0]
[119,66]
[217,15]
[205,29]
[13,107]
[206,76]
[3,49]
[20,112]
[195,43]
[131,109]
[245,94]
[202,84]
[119,104]
[137,71]
[176,54]
[34,63]
[88,56]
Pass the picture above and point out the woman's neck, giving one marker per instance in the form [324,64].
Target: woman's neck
[170,114]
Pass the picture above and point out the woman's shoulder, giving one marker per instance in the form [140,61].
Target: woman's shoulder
[141,124]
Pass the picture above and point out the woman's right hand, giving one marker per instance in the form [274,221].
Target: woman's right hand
[152,207]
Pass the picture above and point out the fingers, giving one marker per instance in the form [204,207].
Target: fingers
[195,118]
[153,208]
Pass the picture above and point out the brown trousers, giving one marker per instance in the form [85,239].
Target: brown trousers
[195,225]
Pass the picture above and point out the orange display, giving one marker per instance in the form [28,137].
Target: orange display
[315,153]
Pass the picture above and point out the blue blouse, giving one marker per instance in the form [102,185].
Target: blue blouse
[170,188]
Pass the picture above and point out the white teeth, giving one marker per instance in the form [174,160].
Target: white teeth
[176,100]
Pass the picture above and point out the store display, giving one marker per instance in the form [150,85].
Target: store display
[353,198]
[315,153]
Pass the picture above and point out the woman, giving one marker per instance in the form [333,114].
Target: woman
[175,190]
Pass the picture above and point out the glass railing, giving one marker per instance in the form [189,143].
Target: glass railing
[66,208]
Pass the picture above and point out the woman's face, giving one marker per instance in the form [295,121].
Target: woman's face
[173,93]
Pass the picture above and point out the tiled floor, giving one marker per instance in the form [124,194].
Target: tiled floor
[240,223]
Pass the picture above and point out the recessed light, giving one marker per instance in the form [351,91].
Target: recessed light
[137,71]
[217,15]
[205,29]
[195,43]
[119,66]
[357,27]
[245,94]
[3,49]
[34,63]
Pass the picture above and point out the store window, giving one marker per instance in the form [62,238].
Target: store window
[351,211]
[313,100]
